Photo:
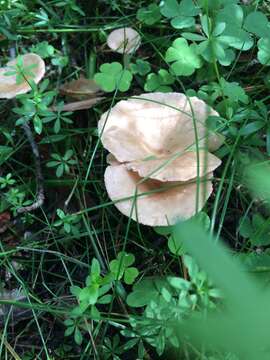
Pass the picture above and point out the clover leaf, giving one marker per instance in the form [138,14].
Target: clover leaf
[264,51]
[234,35]
[184,57]
[181,14]
[120,267]
[112,76]
[257,23]
[141,67]
[149,15]
[159,81]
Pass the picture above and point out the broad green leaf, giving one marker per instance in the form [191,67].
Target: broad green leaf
[257,23]
[183,57]
[149,14]
[251,128]
[236,38]
[264,51]
[130,275]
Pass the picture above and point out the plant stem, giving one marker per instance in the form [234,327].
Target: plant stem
[39,177]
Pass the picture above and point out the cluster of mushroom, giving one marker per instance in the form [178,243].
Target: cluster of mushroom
[157,174]
[10,87]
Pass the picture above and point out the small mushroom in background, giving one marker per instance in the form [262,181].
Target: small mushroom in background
[155,172]
[33,68]
[124,40]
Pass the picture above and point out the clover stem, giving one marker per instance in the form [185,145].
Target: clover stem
[126,60]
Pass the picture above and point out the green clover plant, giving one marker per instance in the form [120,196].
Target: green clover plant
[159,81]
[112,76]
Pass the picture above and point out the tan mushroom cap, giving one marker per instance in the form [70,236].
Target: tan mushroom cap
[8,86]
[177,201]
[79,88]
[124,40]
[180,168]
[156,124]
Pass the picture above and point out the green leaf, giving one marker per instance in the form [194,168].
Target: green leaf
[112,76]
[264,51]
[60,170]
[184,58]
[130,275]
[69,330]
[106,299]
[75,290]
[5,152]
[141,67]
[78,336]
[236,38]
[175,245]
[159,82]
[95,269]
[257,23]
[37,124]
[181,14]
[251,128]
[149,15]
[179,283]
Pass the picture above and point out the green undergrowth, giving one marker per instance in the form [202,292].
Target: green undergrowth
[77,279]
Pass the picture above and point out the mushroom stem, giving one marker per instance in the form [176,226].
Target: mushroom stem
[39,177]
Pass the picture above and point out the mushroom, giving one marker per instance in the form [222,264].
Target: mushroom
[34,70]
[156,174]
[124,40]
[81,88]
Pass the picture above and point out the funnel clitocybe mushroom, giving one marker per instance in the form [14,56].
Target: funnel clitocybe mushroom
[124,41]
[15,79]
[157,173]
[32,68]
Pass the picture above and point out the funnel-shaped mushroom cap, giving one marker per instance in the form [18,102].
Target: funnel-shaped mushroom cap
[34,68]
[183,167]
[124,40]
[158,207]
[156,124]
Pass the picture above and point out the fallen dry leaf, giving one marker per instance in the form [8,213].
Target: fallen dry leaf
[79,105]
[4,220]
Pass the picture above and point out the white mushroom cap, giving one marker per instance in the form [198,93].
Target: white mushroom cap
[159,208]
[8,86]
[156,124]
[124,40]
[180,168]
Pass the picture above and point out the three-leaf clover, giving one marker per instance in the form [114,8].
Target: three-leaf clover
[120,267]
[234,34]
[149,14]
[181,14]
[159,81]
[112,76]
[141,67]
[184,58]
